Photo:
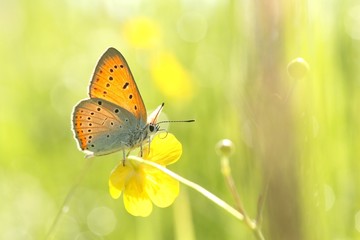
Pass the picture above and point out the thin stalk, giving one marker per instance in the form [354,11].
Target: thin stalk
[194,186]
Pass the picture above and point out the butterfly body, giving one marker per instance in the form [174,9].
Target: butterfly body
[103,127]
[114,117]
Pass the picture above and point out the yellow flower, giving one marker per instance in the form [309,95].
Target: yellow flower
[142,32]
[142,184]
[171,76]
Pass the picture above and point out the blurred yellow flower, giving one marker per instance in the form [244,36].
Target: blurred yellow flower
[142,32]
[171,77]
[142,184]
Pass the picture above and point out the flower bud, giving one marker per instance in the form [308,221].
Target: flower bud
[225,148]
[298,68]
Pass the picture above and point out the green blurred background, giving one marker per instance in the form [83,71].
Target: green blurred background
[223,63]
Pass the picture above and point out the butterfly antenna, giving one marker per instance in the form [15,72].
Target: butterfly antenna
[172,121]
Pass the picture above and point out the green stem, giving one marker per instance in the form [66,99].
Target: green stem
[194,186]
[226,171]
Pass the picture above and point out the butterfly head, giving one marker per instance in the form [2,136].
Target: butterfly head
[153,128]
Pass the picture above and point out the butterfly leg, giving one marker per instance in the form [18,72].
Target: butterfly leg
[141,150]
[149,145]
[124,157]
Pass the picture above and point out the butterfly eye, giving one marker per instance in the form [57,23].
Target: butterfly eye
[151,128]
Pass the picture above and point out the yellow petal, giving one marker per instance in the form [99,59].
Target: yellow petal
[166,65]
[165,149]
[161,188]
[114,191]
[136,200]
[117,179]
[139,207]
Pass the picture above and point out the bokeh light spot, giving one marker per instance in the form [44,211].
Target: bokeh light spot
[192,27]
[352,22]
[329,197]
[101,221]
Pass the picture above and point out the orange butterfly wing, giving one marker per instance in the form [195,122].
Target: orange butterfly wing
[113,81]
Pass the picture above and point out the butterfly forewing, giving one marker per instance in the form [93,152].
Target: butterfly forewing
[113,81]
[101,127]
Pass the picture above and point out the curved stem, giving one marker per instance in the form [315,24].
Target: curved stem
[194,186]
[226,171]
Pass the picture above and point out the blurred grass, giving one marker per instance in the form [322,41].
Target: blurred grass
[234,57]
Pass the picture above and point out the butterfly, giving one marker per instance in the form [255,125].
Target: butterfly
[114,118]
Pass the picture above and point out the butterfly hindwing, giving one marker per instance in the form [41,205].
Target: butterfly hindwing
[113,81]
[102,127]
